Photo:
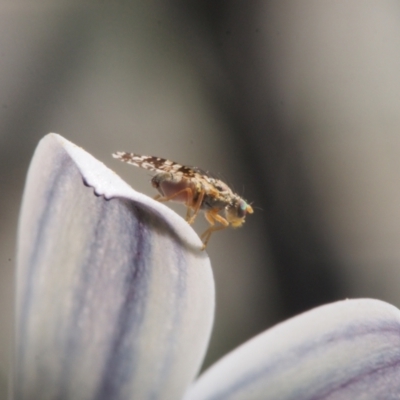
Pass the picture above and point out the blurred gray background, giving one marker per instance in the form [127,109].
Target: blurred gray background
[295,104]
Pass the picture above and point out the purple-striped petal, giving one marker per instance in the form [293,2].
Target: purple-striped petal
[115,299]
[346,350]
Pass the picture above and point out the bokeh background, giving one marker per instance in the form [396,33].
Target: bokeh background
[295,104]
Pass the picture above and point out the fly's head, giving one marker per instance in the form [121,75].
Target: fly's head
[237,210]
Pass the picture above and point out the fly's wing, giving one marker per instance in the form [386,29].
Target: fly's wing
[156,164]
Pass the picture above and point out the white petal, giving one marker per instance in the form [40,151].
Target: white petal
[345,350]
[115,299]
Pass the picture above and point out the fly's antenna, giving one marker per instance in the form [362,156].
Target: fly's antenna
[257,208]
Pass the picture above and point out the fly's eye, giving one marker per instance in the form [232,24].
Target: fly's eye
[242,209]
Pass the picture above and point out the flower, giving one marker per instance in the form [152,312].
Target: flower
[115,300]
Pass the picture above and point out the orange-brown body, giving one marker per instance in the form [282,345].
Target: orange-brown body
[194,188]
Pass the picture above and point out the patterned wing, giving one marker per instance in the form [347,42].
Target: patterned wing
[156,164]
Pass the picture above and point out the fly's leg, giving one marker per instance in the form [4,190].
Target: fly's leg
[162,199]
[188,216]
[212,217]
[196,207]
[189,201]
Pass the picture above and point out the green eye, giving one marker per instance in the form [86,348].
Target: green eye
[241,209]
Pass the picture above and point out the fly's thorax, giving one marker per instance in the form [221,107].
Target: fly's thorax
[214,198]
[222,187]
[217,195]
[212,202]
[237,210]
